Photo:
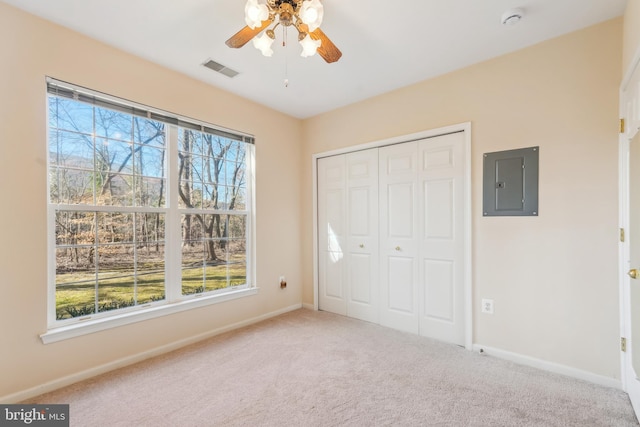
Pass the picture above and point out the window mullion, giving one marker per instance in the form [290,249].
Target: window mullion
[173,235]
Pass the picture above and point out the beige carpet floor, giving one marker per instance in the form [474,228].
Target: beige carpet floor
[308,368]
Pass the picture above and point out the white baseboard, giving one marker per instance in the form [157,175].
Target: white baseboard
[308,306]
[129,360]
[544,365]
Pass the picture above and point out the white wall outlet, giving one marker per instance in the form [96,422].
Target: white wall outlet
[487,306]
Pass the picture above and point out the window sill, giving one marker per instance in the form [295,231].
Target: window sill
[90,326]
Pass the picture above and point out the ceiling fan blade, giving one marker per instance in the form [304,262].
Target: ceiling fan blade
[327,50]
[241,38]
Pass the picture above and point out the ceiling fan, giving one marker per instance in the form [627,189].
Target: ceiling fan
[304,15]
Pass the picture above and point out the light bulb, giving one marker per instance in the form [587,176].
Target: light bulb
[255,13]
[263,44]
[309,46]
[311,13]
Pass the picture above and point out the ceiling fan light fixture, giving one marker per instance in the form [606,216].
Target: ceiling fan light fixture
[311,13]
[305,16]
[255,13]
[263,44]
[309,46]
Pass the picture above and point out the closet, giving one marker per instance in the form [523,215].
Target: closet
[391,235]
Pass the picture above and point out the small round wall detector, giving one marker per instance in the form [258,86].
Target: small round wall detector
[512,16]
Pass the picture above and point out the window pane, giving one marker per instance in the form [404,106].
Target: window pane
[150,277]
[114,156]
[193,256]
[216,274]
[70,115]
[115,227]
[75,282]
[211,196]
[235,174]
[149,161]
[53,147]
[54,186]
[149,229]
[113,124]
[74,150]
[148,132]
[213,170]
[75,228]
[190,172]
[239,199]
[115,189]
[212,146]
[237,262]
[73,186]
[190,141]
[192,227]
[116,276]
[190,194]
[237,226]
[195,168]
[236,151]
[150,192]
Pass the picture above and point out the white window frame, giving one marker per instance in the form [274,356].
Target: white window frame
[174,301]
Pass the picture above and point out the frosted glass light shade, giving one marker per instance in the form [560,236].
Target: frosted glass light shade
[309,46]
[263,44]
[255,13]
[311,13]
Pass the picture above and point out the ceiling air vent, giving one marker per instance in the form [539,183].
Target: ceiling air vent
[219,68]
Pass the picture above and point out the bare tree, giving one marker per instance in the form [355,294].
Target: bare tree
[91,148]
[220,180]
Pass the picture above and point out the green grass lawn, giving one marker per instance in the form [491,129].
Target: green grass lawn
[76,291]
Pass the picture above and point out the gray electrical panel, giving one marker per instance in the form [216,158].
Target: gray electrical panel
[510,183]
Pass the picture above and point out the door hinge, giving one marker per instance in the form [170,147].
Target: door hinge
[621,125]
[622,234]
[623,344]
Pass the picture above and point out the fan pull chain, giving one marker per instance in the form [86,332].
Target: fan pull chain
[286,57]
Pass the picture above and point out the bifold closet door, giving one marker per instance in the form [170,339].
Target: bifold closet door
[391,236]
[399,269]
[348,234]
[422,237]
[362,235]
[441,229]
[332,234]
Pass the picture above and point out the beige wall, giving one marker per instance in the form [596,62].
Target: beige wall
[30,49]
[631,33]
[553,277]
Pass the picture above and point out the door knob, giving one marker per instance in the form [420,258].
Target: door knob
[633,273]
[398,248]
[361,245]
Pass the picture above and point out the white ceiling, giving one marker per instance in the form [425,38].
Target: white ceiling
[385,44]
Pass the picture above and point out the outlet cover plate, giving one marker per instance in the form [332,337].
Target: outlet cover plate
[487,306]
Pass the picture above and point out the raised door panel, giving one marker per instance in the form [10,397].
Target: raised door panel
[401,292]
[439,290]
[632,105]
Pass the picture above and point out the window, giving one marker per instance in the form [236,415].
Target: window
[146,209]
